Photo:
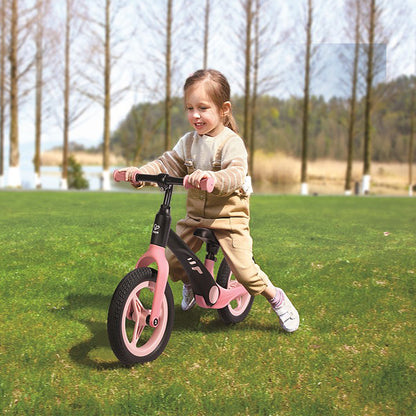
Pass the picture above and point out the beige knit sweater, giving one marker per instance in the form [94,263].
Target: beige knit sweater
[201,152]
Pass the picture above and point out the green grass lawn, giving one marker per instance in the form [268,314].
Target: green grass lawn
[63,254]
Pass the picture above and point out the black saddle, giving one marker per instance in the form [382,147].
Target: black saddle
[206,235]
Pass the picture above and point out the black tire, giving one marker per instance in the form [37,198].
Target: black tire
[238,309]
[128,315]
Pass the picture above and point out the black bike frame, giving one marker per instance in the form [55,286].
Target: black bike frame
[162,235]
[200,278]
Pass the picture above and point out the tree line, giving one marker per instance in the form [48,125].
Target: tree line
[63,60]
[139,137]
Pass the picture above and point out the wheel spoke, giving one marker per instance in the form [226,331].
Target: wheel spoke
[131,338]
[138,315]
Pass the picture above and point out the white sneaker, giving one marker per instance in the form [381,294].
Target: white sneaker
[188,299]
[288,315]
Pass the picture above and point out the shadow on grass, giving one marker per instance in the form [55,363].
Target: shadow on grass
[197,320]
[208,321]
[82,353]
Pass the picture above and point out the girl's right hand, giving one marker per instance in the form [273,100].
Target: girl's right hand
[130,175]
[195,178]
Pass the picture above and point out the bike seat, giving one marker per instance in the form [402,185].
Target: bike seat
[206,235]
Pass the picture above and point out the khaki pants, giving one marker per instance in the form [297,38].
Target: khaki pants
[234,237]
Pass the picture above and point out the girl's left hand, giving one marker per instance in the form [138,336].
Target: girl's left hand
[130,176]
[196,177]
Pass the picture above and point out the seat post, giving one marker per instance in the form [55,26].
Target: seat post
[208,237]
[212,251]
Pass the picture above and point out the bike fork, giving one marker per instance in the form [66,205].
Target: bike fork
[156,254]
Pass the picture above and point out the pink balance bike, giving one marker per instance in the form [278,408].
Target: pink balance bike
[141,312]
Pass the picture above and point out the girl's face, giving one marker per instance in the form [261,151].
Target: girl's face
[203,115]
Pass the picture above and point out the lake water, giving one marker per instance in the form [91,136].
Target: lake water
[51,179]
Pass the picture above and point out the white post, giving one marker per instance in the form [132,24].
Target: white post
[105,180]
[63,185]
[14,180]
[38,183]
[366,184]
[304,188]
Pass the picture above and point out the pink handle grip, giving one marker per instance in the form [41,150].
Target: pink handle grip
[207,184]
[119,176]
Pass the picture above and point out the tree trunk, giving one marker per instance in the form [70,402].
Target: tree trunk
[368,101]
[14,157]
[206,34]
[64,179]
[247,86]
[353,102]
[305,116]
[168,99]
[256,59]
[412,138]
[2,87]
[38,92]
[105,182]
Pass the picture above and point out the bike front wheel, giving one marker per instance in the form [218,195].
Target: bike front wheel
[131,338]
[238,309]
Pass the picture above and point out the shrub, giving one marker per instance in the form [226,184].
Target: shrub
[76,178]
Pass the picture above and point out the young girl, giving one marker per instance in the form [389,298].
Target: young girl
[215,150]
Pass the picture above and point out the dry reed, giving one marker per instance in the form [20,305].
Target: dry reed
[277,170]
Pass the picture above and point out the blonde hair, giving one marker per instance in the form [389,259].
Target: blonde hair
[217,88]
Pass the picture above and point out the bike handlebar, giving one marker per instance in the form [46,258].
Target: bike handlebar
[207,184]
[119,176]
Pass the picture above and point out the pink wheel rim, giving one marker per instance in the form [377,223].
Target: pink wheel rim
[135,311]
[241,301]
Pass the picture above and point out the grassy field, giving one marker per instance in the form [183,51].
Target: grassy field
[348,264]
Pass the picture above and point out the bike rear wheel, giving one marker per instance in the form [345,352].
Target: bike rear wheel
[131,338]
[238,309]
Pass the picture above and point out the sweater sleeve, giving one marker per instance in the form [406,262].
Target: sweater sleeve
[233,171]
[171,162]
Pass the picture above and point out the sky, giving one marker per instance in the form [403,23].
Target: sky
[89,129]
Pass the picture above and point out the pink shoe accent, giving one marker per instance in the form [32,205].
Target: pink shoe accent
[278,298]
